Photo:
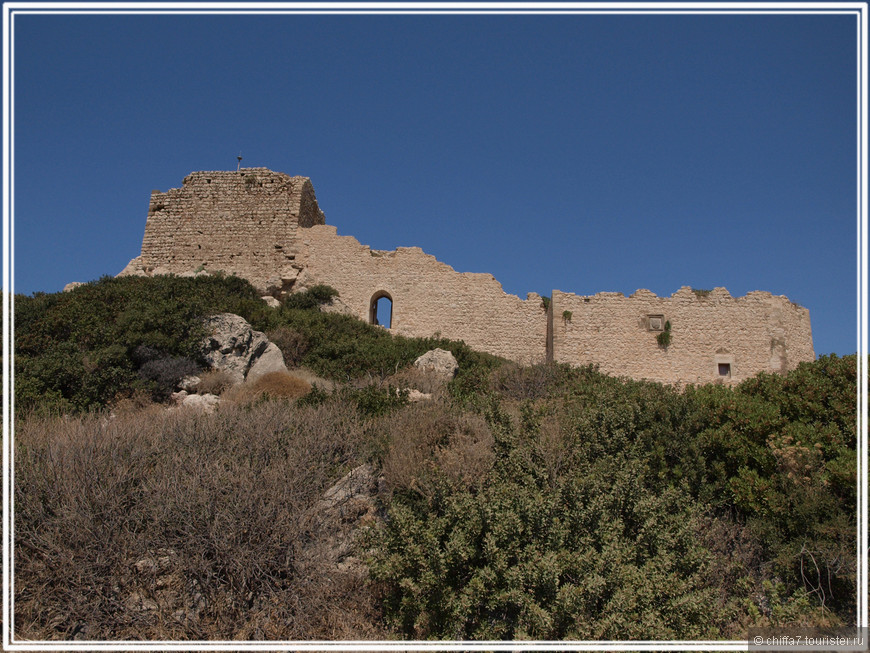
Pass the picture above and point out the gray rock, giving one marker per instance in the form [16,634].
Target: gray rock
[189,383]
[439,361]
[271,360]
[72,285]
[236,348]
[271,301]
[206,403]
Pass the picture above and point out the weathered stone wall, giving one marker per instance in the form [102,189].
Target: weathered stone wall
[428,296]
[242,223]
[267,227]
[750,334]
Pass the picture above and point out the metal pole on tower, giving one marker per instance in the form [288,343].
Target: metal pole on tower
[239,167]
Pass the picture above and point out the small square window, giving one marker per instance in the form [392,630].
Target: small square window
[725,369]
[656,322]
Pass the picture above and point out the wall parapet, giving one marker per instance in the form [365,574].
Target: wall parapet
[713,336]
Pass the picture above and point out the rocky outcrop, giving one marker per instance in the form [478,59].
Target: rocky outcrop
[439,361]
[236,348]
[343,510]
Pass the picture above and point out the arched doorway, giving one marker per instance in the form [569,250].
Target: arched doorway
[381,309]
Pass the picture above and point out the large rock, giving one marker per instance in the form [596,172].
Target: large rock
[206,403]
[439,361]
[234,347]
[271,360]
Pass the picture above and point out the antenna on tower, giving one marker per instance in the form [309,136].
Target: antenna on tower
[239,167]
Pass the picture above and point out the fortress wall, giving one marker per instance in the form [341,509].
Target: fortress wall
[428,296]
[267,227]
[755,333]
[243,223]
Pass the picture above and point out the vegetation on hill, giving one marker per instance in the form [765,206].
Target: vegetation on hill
[83,349]
[541,502]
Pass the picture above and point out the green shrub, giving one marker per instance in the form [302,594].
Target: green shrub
[586,555]
[310,299]
[78,350]
[664,338]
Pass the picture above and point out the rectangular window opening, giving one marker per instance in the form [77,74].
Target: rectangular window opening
[725,369]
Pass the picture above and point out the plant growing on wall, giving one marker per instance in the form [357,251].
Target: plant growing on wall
[664,338]
[566,316]
[545,302]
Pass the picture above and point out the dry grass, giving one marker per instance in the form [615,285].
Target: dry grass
[281,384]
[276,385]
[214,382]
[427,441]
[184,527]
[135,401]
[307,375]
[423,380]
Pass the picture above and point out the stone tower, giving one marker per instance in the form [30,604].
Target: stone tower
[242,222]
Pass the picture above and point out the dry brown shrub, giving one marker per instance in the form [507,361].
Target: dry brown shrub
[524,382]
[281,384]
[307,375]
[131,402]
[184,527]
[214,382]
[426,441]
[276,385]
[426,381]
[291,343]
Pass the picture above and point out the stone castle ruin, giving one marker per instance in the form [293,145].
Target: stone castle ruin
[267,227]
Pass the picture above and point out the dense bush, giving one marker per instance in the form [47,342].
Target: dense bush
[311,298]
[165,373]
[173,526]
[77,350]
[623,509]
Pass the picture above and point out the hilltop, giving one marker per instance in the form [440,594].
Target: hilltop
[546,501]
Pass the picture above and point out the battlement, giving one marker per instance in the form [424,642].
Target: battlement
[267,227]
[711,335]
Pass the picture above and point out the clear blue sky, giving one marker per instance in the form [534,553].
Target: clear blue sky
[583,153]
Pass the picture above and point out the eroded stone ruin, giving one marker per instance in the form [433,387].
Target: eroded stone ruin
[267,227]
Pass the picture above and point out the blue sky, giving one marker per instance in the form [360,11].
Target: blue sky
[583,153]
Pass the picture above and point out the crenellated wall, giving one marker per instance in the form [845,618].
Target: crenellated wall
[267,227]
[746,335]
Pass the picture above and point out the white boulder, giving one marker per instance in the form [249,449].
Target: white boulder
[234,347]
[438,361]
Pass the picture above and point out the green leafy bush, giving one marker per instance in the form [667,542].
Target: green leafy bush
[312,298]
[77,350]
[587,554]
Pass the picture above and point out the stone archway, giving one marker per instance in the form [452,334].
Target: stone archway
[381,309]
